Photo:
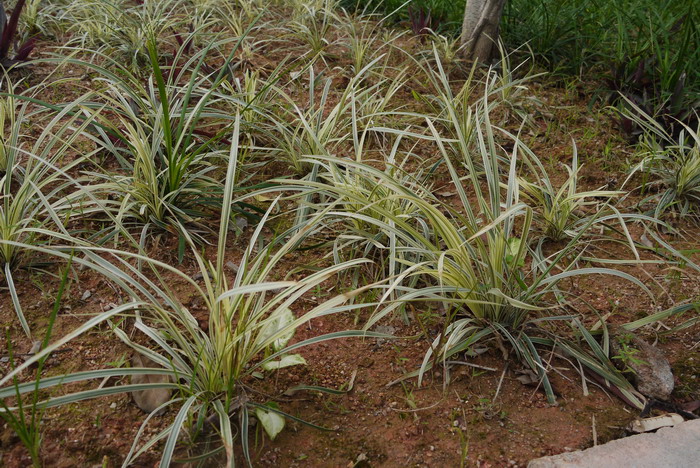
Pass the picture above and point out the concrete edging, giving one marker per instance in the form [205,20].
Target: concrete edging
[673,447]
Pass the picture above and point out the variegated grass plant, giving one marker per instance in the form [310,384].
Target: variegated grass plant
[670,164]
[168,135]
[116,28]
[365,39]
[318,131]
[479,262]
[250,327]
[312,23]
[372,211]
[562,210]
[37,197]
[454,109]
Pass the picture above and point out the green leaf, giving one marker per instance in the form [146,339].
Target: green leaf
[280,320]
[15,300]
[512,258]
[286,361]
[169,448]
[272,422]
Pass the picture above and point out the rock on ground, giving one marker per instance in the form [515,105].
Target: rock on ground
[676,447]
[149,400]
[652,372]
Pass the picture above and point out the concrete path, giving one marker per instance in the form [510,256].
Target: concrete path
[669,447]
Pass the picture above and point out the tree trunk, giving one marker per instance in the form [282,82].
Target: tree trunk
[480,28]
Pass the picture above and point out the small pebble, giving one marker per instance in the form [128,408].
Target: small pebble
[36,347]
[232,266]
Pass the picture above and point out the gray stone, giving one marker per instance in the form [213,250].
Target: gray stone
[36,347]
[233,267]
[386,330]
[652,372]
[149,400]
[199,276]
[675,447]
[241,223]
